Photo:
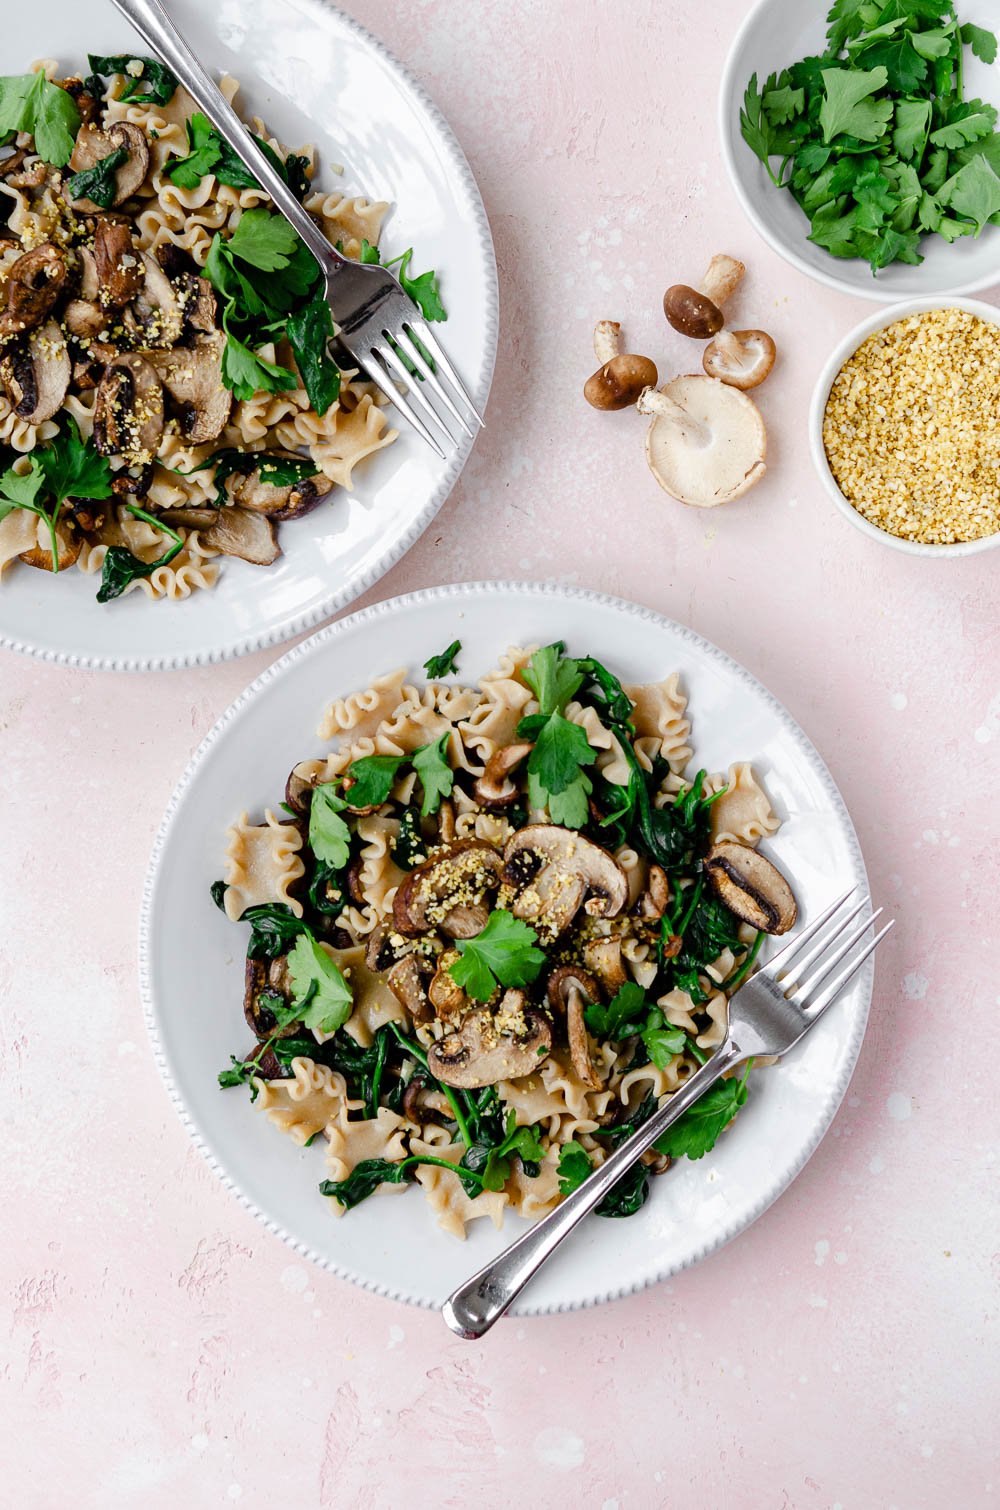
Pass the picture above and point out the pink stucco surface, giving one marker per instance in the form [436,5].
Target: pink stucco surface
[159,1348]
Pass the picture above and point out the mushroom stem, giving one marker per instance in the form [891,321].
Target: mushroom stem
[607,340]
[722,279]
[653,402]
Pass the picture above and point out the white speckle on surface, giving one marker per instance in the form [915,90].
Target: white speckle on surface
[396,1336]
[817,1302]
[235,1492]
[609,1505]
[126,1047]
[840,1258]
[930,836]
[899,1107]
[309,1296]
[559,1448]
[199,1441]
[926,1450]
[294,1279]
[915,986]
[822,1250]
[990,726]
[793,503]
[898,700]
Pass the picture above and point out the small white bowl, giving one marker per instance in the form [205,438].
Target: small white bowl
[821,394]
[776,34]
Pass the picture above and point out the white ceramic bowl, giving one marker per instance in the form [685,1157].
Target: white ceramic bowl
[776,34]
[821,394]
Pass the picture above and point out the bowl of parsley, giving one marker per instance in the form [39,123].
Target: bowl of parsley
[864,147]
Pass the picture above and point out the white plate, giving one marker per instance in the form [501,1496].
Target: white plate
[192,968]
[776,34]
[314,75]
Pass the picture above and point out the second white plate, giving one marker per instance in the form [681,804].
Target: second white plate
[192,967]
[313,75]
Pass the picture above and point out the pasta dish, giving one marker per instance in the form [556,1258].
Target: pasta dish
[491,927]
[169,394]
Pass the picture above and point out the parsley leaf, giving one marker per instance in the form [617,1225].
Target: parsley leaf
[504,954]
[967,122]
[264,240]
[246,372]
[574,1167]
[974,191]
[436,776]
[621,1016]
[329,835]
[29,102]
[154,84]
[661,1040]
[694,1134]
[321,996]
[982,42]
[423,290]
[437,666]
[848,108]
[204,142]
[553,677]
[74,468]
[370,779]
[492,1165]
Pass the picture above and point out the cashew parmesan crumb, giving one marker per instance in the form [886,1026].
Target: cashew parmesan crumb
[912,428]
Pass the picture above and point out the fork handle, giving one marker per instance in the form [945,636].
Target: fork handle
[163,39]
[473,1308]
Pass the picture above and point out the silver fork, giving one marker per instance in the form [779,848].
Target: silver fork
[379,323]
[770,1013]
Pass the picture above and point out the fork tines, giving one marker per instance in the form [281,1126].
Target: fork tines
[386,365]
[793,972]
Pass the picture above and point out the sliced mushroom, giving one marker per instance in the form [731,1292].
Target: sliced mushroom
[253,491]
[35,373]
[603,957]
[487,1047]
[707,442]
[92,146]
[267,979]
[23,170]
[553,870]
[656,898]
[90,283]
[570,992]
[34,283]
[446,821]
[155,316]
[750,886]
[406,983]
[197,300]
[193,518]
[449,890]
[741,358]
[85,102]
[444,993]
[175,261]
[494,788]
[621,376]
[697,312]
[192,375]
[128,418]
[84,319]
[237,532]
[120,273]
[133,482]
[69,546]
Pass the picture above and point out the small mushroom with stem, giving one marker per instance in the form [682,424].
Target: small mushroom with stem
[741,358]
[495,788]
[552,872]
[621,376]
[697,312]
[570,992]
[449,891]
[707,442]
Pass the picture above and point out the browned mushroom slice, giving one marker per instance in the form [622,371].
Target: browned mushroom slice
[155,314]
[92,146]
[192,517]
[655,899]
[554,871]
[192,375]
[603,957]
[120,273]
[570,992]
[197,300]
[35,373]
[448,891]
[128,418]
[69,544]
[751,887]
[133,482]
[494,788]
[252,491]
[84,319]
[90,284]
[23,170]
[34,283]
[444,993]
[237,532]
[267,987]
[406,983]
[487,1047]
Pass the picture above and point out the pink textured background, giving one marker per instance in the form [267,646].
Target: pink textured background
[159,1348]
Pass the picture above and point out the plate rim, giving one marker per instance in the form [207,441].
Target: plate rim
[237,646]
[313,646]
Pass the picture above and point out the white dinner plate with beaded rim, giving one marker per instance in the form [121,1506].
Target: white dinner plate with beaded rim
[191,957]
[315,76]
